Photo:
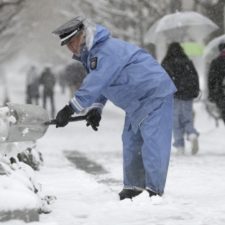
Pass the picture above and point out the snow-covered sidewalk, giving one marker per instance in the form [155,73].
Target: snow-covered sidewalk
[195,186]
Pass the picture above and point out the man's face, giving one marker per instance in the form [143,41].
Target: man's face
[74,45]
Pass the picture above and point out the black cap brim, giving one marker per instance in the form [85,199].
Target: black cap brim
[68,30]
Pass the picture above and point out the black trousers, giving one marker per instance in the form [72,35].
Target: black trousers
[49,95]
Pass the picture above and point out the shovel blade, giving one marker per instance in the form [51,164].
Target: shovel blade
[29,123]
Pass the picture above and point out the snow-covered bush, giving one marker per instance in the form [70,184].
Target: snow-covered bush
[17,193]
[20,193]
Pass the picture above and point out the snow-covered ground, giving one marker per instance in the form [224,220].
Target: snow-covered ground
[195,186]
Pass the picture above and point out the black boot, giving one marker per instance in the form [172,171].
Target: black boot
[129,193]
[151,193]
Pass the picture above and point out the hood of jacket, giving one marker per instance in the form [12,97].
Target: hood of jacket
[100,35]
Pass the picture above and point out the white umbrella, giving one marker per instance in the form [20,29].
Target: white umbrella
[181,26]
[211,49]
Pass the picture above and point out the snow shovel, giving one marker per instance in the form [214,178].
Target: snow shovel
[28,122]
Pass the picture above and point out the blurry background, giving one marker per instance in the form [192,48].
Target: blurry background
[26,39]
[26,26]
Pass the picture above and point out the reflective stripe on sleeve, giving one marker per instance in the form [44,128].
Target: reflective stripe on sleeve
[76,104]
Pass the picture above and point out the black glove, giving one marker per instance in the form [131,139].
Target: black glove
[62,117]
[93,118]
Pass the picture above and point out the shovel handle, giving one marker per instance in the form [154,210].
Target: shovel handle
[72,119]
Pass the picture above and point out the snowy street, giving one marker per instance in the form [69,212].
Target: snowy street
[195,186]
[83,169]
[156,60]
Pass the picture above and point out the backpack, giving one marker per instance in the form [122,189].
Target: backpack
[189,82]
[185,77]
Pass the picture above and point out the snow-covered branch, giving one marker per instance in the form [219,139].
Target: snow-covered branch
[8,10]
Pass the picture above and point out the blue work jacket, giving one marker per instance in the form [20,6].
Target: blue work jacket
[123,73]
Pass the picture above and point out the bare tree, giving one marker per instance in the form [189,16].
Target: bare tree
[214,9]
[8,10]
[175,5]
[128,20]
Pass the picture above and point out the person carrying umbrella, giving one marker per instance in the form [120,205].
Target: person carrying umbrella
[185,77]
[129,77]
[216,81]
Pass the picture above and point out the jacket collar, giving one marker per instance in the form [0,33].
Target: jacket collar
[101,34]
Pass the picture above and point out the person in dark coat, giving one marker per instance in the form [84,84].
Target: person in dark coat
[74,75]
[48,81]
[32,86]
[216,81]
[183,73]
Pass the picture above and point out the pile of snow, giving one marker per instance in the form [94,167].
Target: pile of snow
[17,186]
[15,195]
[20,193]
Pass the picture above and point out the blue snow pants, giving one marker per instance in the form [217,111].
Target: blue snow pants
[146,153]
[182,121]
